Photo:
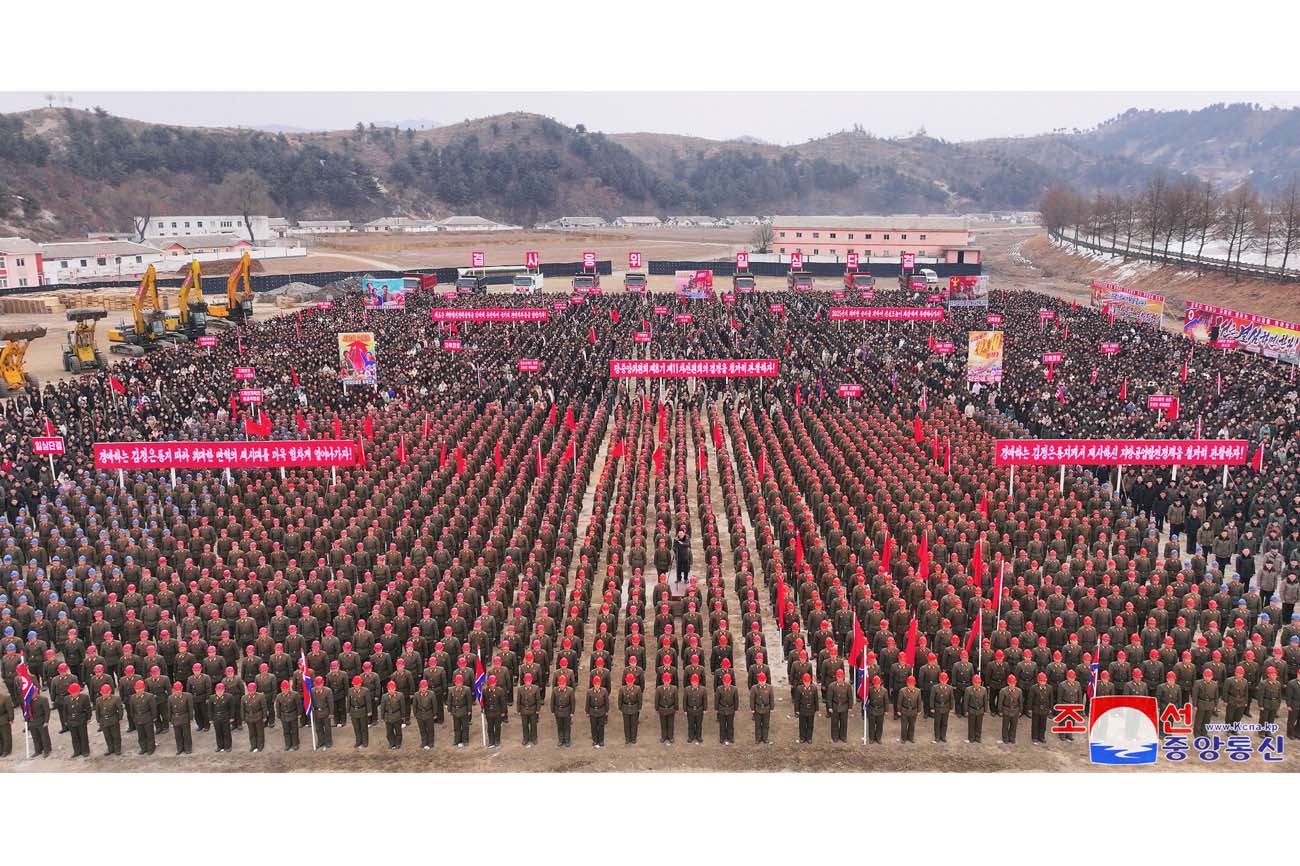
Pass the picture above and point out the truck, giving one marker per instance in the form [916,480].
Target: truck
[799,281]
[858,280]
[527,284]
[742,282]
[635,283]
[585,282]
[470,284]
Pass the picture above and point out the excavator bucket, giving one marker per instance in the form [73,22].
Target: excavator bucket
[87,314]
[13,376]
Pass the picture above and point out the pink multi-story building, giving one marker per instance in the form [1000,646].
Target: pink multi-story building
[20,263]
[938,239]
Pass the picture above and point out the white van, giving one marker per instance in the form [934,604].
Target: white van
[527,284]
[931,278]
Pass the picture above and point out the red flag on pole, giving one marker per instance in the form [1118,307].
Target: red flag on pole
[613,314]
[798,396]
[888,553]
[1257,461]
[442,457]
[663,423]
[918,434]
[460,462]
[571,451]
[49,427]
[780,603]
[116,384]
[550,417]
[424,428]
[591,336]
[798,552]
[361,452]
[401,450]
[1094,376]
[717,436]
[975,637]
[1123,390]
[369,426]
[984,505]
[923,557]
[977,563]
[859,642]
[338,428]
[658,458]
[303,426]
[568,419]
[496,455]
[934,448]
[1048,367]
[234,408]
[539,457]
[947,455]
[762,464]
[258,427]
[997,585]
[619,450]
[294,375]
[908,655]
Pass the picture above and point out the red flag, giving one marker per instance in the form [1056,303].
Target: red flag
[947,455]
[49,428]
[424,427]
[258,427]
[294,374]
[717,436]
[116,384]
[888,553]
[568,419]
[539,457]
[918,434]
[658,458]
[908,655]
[859,642]
[571,451]
[550,417]
[460,462]
[338,428]
[975,637]
[613,314]
[401,450]
[780,603]
[369,427]
[977,563]
[1049,371]
[234,408]
[984,505]
[663,423]
[1123,390]
[798,397]
[923,557]
[645,405]
[798,552]
[303,426]
[934,448]
[997,585]
[619,450]
[361,452]
[1094,376]
[496,455]
[591,335]
[735,326]
[1182,374]
[1257,461]
[442,457]
[762,464]
[1218,384]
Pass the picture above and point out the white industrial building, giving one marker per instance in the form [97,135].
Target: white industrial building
[638,222]
[68,261]
[185,226]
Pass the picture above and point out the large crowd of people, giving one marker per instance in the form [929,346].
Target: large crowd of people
[561,544]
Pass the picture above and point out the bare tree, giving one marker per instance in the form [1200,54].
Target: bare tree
[1235,222]
[1265,227]
[1059,208]
[245,193]
[1151,206]
[1128,221]
[1289,221]
[1206,217]
[762,237]
[140,224]
[1184,202]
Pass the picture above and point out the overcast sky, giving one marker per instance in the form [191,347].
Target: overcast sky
[777,117]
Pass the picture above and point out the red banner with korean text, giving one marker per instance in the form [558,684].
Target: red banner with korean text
[224,455]
[1120,452]
[887,314]
[493,314]
[684,368]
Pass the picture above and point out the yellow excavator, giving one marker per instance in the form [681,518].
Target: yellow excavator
[238,307]
[13,378]
[80,353]
[191,317]
[149,329]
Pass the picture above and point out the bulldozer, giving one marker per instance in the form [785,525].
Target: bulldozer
[13,378]
[238,307]
[191,317]
[148,331]
[79,353]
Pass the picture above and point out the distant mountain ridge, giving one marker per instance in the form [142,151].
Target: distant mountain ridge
[66,171]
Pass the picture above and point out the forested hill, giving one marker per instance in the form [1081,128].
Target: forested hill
[64,171]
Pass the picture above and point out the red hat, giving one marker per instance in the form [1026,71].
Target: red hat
[911,681]
[356,681]
[105,689]
[839,674]
[667,678]
[595,681]
[284,686]
[943,677]
[176,687]
[1208,674]
[807,678]
[74,688]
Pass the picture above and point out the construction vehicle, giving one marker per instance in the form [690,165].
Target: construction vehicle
[79,353]
[13,378]
[584,282]
[742,282]
[635,282]
[238,306]
[191,317]
[799,281]
[148,330]
[858,280]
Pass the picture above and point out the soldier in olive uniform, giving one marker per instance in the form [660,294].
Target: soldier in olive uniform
[221,710]
[942,698]
[79,712]
[1169,692]
[392,710]
[252,708]
[1236,696]
[597,711]
[666,703]
[425,706]
[38,723]
[1011,702]
[695,701]
[108,713]
[1270,699]
[629,704]
[806,698]
[562,704]
[460,703]
[1041,701]
[180,715]
[877,705]
[6,723]
[142,709]
[760,704]
[975,703]
[324,709]
[496,709]
[839,700]
[1069,691]
[358,704]
[1205,699]
[288,709]
[909,707]
[726,700]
